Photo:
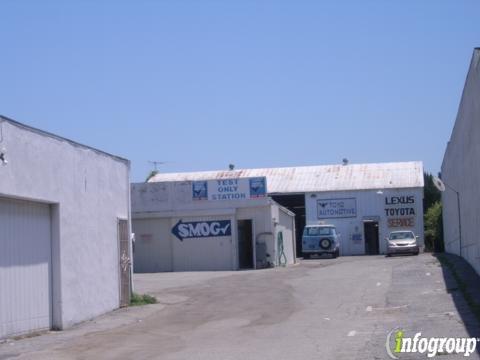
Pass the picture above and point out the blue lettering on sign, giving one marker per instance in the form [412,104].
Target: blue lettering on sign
[336,208]
[230,196]
[198,229]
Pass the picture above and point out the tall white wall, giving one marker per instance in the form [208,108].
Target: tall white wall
[88,191]
[460,171]
[370,206]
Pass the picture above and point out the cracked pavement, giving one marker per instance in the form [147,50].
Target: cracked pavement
[319,309]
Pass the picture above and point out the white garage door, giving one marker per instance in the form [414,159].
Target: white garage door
[201,252]
[153,245]
[25,258]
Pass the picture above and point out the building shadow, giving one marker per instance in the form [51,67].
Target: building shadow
[462,282]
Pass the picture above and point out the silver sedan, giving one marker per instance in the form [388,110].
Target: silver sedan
[402,242]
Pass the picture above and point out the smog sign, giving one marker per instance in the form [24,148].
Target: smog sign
[337,208]
[229,189]
[202,229]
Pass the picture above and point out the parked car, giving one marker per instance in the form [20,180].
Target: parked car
[402,242]
[319,240]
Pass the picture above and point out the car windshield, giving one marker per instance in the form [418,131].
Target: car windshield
[403,235]
[319,231]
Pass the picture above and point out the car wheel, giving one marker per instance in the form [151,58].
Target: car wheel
[325,243]
[306,256]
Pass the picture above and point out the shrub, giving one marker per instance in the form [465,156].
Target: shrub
[144,299]
[434,228]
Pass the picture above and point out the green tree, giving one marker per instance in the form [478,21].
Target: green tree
[432,210]
[151,175]
[431,194]
[434,228]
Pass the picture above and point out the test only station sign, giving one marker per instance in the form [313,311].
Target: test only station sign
[336,208]
[230,189]
[202,229]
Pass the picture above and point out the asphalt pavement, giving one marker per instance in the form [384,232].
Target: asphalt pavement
[319,309]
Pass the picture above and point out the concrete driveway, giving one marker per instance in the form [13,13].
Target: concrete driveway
[319,309]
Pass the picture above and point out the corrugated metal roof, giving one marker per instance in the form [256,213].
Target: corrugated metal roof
[319,178]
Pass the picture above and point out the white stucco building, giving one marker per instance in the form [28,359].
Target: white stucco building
[212,224]
[64,225]
[461,198]
[364,201]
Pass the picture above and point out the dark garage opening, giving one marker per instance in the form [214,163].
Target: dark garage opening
[296,204]
[245,246]
[370,229]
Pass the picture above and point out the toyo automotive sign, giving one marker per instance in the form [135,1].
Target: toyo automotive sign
[337,208]
[201,229]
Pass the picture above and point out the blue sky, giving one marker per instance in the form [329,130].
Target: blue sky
[201,84]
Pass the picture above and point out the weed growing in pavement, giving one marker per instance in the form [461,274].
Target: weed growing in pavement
[145,299]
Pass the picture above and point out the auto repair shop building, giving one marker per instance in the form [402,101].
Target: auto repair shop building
[211,224]
[64,225]
[364,201]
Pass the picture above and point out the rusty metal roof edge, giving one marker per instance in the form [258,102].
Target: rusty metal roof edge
[318,178]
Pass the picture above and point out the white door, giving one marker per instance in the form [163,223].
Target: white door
[25,266]
[153,245]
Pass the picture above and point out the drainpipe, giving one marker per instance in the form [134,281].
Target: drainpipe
[459,223]
[459,217]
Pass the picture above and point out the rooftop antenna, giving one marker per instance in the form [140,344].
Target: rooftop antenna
[231,167]
[156,163]
[155,171]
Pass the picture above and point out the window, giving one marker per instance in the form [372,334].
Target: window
[402,235]
[319,231]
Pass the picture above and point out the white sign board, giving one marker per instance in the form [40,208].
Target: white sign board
[400,210]
[336,208]
[230,189]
